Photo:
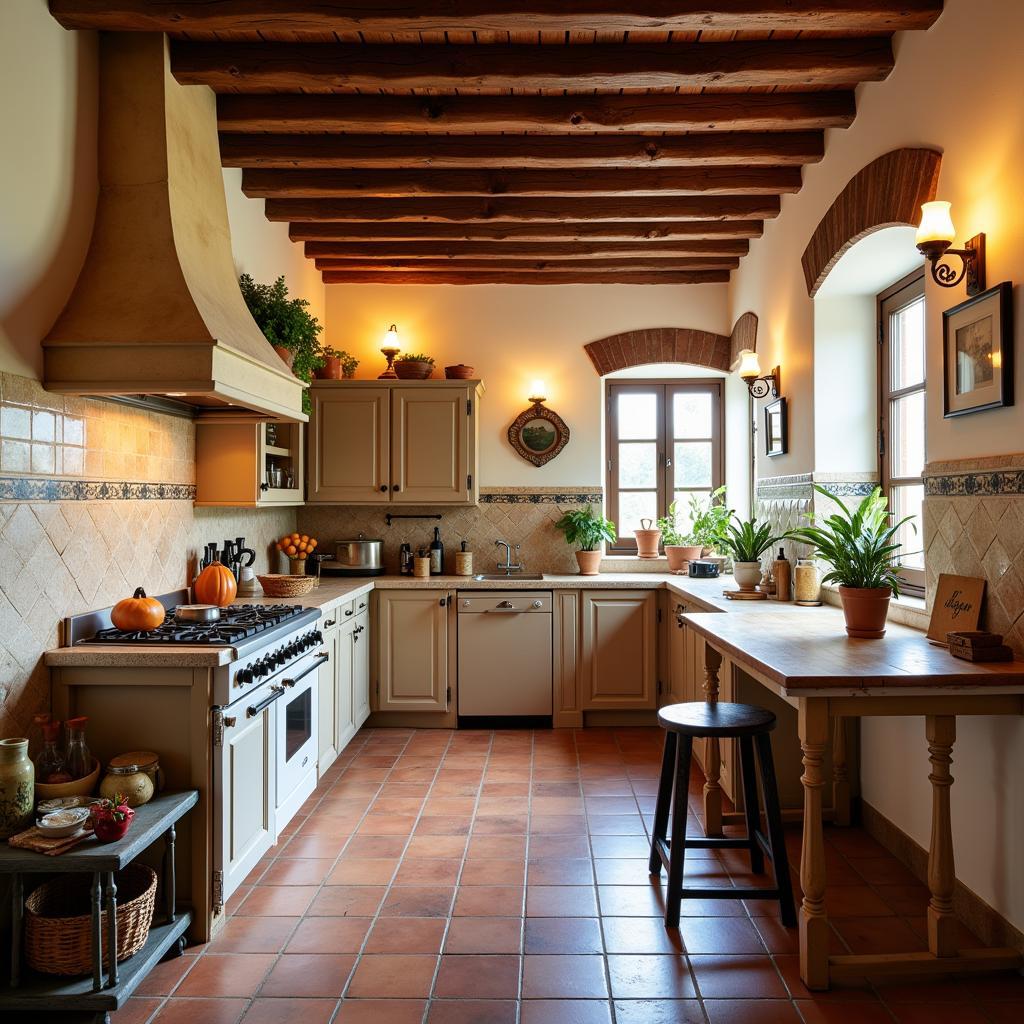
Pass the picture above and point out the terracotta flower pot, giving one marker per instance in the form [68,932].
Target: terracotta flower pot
[331,370]
[680,555]
[747,575]
[589,562]
[865,610]
[286,354]
[647,540]
[410,369]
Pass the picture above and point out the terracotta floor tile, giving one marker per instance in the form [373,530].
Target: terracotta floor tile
[737,977]
[622,871]
[992,988]
[433,871]
[346,901]
[374,847]
[406,935]
[788,965]
[276,900]
[560,901]
[478,977]
[381,1011]
[650,977]
[309,974]
[297,871]
[558,824]
[137,1010]
[562,935]
[854,901]
[493,872]
[548,847]
[443,847]
[637,901]
[381,975]
[290,1011]
[228,974]
[937,1013]
[489,901]
[560,871]
[329,935]
[444,825]
[751,1011]
[659,1011]
[776,937]
[471,1011]
[386,825]
[640,935]
[253,935]
[209,1011]
[496,847]
[720,935]
[565,1011]
[502,825]
[357,871]
[1004,1013]
[879,935]
[484,935]
[163,978]
[564,977]
[616,825]
[418,901]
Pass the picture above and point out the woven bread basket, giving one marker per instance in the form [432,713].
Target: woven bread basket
[58,921]
[275,585]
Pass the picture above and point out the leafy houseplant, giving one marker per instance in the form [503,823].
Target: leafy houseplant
[337,364]
[287,324]
[861,549]
[747,541]
[415,366]
[710,517]
[587,531]
[679,547]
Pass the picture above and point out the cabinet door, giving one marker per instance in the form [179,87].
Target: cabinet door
[348,445]
[413,650]
[619,649]
[327,747]
[430,445]
[345,722]
[361,668]
[679,656]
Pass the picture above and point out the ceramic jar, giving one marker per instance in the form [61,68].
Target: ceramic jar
[17,787]
[134,775]
[747,575]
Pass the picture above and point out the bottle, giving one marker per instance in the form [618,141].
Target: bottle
[35,734]
[436,553]
[49,761]
[405,560]
[782,570]
[79,761]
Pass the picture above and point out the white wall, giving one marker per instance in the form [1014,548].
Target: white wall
[513,334]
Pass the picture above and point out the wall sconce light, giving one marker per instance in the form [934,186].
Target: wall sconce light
[759,385]
[389,350]
[935,235]
[537,395]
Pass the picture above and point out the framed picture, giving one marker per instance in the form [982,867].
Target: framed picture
[538,434]
[776,430]
[977,353]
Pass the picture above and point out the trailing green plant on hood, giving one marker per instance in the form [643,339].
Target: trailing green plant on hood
[747,541]
[585,529]
[859,546]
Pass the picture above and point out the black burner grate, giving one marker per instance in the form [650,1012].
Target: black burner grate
[237,622]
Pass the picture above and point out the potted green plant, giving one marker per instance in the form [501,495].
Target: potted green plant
[287,324]
[337,364]
[680,548]
[709,517]
[414,367]
[860,547]
[587,530]
[746,541]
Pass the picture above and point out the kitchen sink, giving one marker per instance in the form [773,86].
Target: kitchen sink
[514,577]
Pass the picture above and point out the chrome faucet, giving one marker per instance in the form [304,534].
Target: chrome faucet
[508,567]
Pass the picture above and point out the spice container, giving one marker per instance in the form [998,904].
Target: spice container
[421,565]
[464,562]
[135,774]
[807,583]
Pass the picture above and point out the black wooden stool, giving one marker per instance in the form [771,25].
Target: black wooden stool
[749,725]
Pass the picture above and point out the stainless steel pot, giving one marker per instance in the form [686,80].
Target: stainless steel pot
[196,613]
[360,557]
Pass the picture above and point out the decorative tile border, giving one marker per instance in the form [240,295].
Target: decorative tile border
[985,484]
[777,488]
[542,496]
[29,488]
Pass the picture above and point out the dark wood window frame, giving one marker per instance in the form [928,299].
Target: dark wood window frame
[665,389]
[896,297]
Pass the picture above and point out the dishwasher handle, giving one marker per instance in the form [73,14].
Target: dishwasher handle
[507,606]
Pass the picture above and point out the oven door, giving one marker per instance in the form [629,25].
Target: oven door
[244,770]
[297,736]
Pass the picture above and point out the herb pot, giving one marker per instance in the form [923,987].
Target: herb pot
[679,555]
[286,354]
[589,562]
[411,369]
[331,370]
[865,610]
[17,793]
[647,540]
[747,575]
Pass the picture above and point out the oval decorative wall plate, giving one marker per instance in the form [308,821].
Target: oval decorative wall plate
[538,434]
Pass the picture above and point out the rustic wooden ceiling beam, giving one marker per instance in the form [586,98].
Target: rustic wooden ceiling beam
[409,250]
[495,15]
[578,115]
[526,231]
[525,277]
[258,183]
[460,152]
[467,209]
[531,266]
[296,67]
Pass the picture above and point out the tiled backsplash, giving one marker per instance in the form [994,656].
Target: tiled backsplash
[95,525]
[524,516]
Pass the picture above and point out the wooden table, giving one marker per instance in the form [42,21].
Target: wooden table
[809,661]
[51,994]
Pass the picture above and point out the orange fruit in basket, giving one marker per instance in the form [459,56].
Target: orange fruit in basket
[304,538]
[290,551]
[312,543]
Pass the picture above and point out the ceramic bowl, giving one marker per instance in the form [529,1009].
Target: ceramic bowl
[65,822]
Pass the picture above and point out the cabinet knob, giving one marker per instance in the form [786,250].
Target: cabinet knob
[383,488]
[396,487]
[264,487]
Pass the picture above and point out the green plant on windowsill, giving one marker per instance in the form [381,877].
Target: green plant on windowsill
[709,518]
[587,530]
[670,535]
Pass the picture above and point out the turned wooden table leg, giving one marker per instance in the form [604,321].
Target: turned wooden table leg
[712,752]
[814,932]
[941,733]
[840,774]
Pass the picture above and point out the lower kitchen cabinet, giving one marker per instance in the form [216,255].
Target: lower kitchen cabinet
[412,650]
[344,681]
[618,645]
[360,669]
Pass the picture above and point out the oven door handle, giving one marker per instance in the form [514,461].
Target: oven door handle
[320,659]
[254,709]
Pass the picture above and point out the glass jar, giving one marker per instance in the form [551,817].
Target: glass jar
[49,762]
[35,733]
[17,787]
[136,775]
[807,583]
[78,761]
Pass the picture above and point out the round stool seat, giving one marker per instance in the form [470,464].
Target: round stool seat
[722,719]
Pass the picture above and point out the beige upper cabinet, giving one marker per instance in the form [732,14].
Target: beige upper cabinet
[394,442]
[412,650]
[246,463]
[618,630]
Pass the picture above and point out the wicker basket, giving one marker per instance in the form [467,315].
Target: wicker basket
[275,585]
[58,921]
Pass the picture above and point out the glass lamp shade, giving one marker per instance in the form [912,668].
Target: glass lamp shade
[749,366]
[936,227]
[537,391]
[391,339]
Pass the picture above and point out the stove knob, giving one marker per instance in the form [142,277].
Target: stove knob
[244,676]
[259,668]
[293,649]
[318,637]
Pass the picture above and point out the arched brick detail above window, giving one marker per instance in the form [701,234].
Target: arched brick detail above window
[887,193]
[672,345]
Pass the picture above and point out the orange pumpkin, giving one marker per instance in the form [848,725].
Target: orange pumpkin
[215,585]
[138,612]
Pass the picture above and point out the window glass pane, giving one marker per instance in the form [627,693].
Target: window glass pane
[907,455]
[682,500]
[693,464]
[634,506]
[638,464]
[691,414]
[638,416]
[906,333]
[909,501]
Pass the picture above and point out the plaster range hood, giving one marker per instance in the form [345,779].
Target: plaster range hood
[156,310]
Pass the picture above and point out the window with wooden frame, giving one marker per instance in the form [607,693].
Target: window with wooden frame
[665,441]
[901,416]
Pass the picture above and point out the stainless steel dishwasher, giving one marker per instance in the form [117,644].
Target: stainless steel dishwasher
[505,654]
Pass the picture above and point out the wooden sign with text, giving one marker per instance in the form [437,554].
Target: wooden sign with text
[957,606]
